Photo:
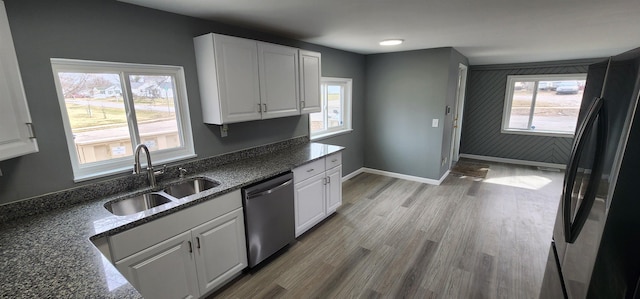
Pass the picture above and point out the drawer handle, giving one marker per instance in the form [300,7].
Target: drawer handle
[334,160]
[310,170]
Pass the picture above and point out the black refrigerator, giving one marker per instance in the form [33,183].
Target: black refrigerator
[595,250]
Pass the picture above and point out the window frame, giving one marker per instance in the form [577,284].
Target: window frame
[346,108]
[91,170]
[508,101]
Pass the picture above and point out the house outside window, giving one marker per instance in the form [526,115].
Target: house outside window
[335,117]
[546,105]
[109,108]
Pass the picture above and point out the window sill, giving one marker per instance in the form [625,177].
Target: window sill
[536,133]
[329,134]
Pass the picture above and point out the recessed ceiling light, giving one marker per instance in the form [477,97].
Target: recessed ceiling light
[391,42]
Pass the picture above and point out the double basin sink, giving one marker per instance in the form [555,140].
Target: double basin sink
[170,193]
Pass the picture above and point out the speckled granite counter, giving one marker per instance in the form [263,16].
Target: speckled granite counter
[50,255]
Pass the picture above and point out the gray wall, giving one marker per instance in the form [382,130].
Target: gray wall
[486,87]
[405,91]
[114,31]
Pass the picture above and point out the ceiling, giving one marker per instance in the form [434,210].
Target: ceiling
[485,31]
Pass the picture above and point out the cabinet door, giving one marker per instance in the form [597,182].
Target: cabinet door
[165,270]
[309,203]
[15,120]
[220,250]
[334,189]
[310,73]
[278,80]
[237,67]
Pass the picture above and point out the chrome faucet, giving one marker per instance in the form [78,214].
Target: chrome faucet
[151,175]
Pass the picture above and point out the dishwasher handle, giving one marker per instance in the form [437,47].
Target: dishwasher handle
[269,191]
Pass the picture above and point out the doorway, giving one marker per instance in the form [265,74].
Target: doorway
[457,117]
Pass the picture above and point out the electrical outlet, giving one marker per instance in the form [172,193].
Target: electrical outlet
[224,130]
[434,122]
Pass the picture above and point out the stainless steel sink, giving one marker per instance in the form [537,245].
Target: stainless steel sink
[136,204]
[189,187]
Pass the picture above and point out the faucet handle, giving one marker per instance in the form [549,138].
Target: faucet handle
[162,171]
[183,172]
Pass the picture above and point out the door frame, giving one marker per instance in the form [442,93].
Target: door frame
[458,113]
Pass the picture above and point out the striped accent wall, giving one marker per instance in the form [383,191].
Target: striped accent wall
[482,118]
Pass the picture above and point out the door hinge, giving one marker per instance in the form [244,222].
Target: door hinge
[32,133]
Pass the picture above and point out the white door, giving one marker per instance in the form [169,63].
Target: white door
[220,249]
[16,137]
[165,270]
[457,117]
[309,202]
[237,66]
[310,73]
[278,80]
[334,189]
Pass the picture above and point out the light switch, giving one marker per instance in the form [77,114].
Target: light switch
[434,122]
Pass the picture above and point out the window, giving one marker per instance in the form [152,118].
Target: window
[543,104]
[109,108]
[335,117]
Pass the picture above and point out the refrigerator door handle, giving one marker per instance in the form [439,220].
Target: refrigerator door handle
[595,112]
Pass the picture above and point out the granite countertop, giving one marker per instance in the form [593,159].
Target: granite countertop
[51,255]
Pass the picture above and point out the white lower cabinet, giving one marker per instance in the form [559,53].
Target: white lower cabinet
[191,264]
[220,250]
[166,270]
[309,203]
[334,189]
[318,191]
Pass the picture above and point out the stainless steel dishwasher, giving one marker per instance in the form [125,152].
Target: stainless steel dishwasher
[269,217]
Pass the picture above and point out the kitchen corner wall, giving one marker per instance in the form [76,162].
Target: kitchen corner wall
[483,107]
[120,32]
[405,92]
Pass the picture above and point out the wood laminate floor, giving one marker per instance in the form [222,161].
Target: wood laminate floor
[394,238]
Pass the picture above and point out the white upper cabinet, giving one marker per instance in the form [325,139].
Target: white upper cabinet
[278,80]
[228,76]
[242,79]
[310,73]
[16,132]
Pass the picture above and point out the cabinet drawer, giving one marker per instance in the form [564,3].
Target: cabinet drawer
[333,160]
[308,170]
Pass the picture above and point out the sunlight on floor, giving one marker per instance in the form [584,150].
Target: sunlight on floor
[531,182]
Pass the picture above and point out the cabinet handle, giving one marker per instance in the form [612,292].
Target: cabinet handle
[324,181]
[334,160]
[310,170]
[265,107]
[32,133]
[190,248]
[198,242]
[302,104]
[328,180]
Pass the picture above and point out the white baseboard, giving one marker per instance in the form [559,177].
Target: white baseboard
[353,174]
[401,176]
[513,161]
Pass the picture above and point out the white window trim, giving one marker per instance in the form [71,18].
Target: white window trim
[346,126]
[508,100]
[82,172]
